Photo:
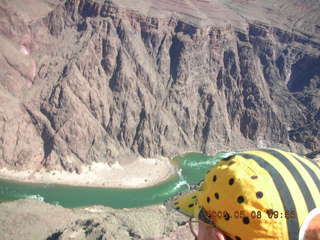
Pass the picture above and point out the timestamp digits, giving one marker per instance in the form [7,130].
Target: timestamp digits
[235,214]
[280,214]
[271,214]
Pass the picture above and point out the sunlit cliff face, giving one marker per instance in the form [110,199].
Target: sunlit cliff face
[93,81]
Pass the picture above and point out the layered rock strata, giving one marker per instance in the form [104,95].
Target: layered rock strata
[87,81]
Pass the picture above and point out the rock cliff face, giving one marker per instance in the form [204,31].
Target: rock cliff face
[85,81]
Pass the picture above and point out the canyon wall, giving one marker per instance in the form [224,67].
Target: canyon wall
[92,81]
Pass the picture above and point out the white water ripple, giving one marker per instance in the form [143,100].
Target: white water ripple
[182,181]
[35,197]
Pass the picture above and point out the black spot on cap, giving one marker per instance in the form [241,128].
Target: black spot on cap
[231,163]
[259,194]
[246,220]
[214,178]
[254,177]
[194,197]
[240,199]
[228,238]
[208,199]
[191,205]
[216,195]
[231,181]
[238,238]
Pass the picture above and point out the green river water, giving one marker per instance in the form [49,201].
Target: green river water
[192,167]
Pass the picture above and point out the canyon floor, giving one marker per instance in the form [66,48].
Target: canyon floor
[36,220]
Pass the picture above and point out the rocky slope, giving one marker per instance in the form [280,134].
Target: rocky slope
[84,81]
[31,219]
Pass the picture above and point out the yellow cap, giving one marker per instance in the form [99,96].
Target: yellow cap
[260,194]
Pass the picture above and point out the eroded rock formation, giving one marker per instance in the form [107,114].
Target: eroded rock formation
[85,81]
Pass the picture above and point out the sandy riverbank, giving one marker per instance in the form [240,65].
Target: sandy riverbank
[143,172]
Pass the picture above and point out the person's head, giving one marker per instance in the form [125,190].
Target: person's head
[261,194]
[310,229]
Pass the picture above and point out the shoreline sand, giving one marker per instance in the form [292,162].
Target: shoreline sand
[140,173]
